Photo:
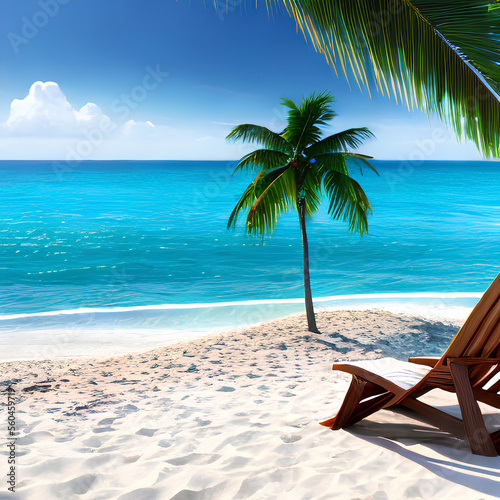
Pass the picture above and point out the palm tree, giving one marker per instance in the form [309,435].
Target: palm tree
[295,168]
[442,57]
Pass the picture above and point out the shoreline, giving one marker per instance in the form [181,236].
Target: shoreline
[103,333]
[295,321]
[234,415]
[250,302]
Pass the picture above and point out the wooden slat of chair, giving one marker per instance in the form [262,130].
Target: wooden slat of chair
[495,387]
[491,345]
[487,397]
[486,379]
[483,333]
[463,337]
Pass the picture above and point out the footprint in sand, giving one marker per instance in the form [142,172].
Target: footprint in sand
[107,421]
[125,410]
[34,437]
[290,438]
[146,432]
[92,442]
[77,486]
[203,423]
[99,430]
[141,494]
[165,443]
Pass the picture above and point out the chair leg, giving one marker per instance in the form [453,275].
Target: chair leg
[477,435]
[351,400]
[352,410]
[495,437]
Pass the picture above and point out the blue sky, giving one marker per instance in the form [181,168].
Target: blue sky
[165,79]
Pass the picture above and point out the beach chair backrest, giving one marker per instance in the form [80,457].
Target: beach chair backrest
[480,334]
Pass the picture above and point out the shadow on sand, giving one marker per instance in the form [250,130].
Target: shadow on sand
[448,457]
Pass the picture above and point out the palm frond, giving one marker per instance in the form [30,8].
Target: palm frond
[311,190]
[439,56]
[244,203]
[348,201]
[261,135]
[360,161]
[283,181]
[331,161]
[304,122]
[263,159]
[342,141]
[269,195]
[340,162]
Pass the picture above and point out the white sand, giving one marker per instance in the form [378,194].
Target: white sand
[234,416]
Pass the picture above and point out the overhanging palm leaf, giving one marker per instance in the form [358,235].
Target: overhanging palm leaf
[440,56]
[308,169]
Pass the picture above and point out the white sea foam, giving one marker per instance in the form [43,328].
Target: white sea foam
[354,300]
[119,330]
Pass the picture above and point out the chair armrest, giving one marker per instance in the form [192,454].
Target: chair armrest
[368,376]
[474,361]
[428,361]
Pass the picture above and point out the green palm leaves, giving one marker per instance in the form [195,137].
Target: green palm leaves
[296,168]
[260,135]
[441,56]
[271,194]
[297,165]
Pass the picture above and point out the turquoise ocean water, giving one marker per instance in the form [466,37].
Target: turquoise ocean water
[141,249]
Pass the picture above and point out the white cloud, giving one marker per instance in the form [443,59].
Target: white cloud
[45,125]
[230,124]
[45,111]
[133,127]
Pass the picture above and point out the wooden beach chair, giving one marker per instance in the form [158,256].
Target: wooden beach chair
[470,368]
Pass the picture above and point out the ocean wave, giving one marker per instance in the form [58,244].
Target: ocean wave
[352,298]
[118,330]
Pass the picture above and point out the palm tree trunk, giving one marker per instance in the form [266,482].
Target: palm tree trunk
[311,320]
